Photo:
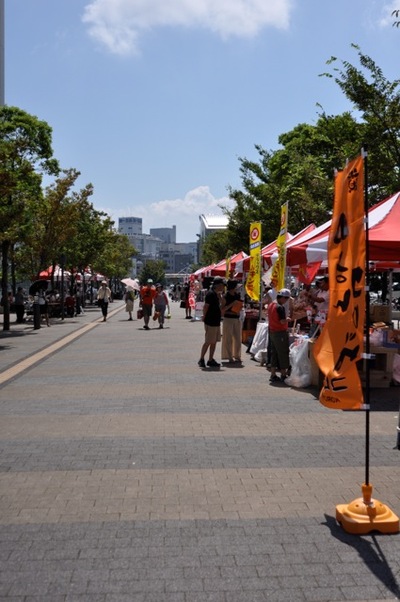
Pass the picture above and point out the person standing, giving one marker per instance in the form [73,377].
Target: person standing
[129,301]
[19,303]
[279,336]
[147,294]
[322,297]
[186,295]
[231,305]
[104,296]
[212,322]
[43,306]
[160,304]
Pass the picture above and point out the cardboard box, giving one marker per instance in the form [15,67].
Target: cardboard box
[379,313]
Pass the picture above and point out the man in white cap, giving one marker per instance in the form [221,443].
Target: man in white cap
[279,336]
[147,294]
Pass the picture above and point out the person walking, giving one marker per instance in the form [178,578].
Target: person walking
[212,322]
[129,301]
[160,304]
[19,303]
[147,294]
[104,296]
[279,336]
[231,305]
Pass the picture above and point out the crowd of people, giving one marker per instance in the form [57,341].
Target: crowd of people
[223,305]
[153,302]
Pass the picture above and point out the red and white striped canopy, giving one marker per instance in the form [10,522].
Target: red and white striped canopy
[384,236]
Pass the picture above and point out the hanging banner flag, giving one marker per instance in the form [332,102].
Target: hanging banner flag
[253,282]
[308,271]
[279,269]
[341,343]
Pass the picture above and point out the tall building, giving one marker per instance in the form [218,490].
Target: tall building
[130,226]
[212,223]
[167,235]
[159,244]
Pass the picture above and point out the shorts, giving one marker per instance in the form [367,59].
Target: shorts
[213,334]
[279,349]
[147,309]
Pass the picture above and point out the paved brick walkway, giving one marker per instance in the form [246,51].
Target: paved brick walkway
[129,474]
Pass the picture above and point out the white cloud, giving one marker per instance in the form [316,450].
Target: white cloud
[387,10]
[117,24]
[183,213]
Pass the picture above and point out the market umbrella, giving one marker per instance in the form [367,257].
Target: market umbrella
[130,282]
[38,285]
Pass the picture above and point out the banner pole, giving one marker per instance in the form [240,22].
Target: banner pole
[366,514]
[364,152]
[260,291]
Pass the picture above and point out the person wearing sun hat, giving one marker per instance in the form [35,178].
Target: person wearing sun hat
[279,336]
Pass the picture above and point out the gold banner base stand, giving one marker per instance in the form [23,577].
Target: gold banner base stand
[365,514]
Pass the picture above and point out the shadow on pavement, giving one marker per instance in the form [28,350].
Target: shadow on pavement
[369,551]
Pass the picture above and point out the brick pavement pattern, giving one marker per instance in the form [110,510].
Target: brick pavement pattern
[130,474]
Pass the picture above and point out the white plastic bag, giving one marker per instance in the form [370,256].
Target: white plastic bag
[300,375]
[376,338]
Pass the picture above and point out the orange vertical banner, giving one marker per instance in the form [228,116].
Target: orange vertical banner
[340,345]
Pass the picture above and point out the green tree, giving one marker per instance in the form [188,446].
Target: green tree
[25,154]
[57,220]
[378,101]
[154,269]
[215,247]
[116,258]
[300,172]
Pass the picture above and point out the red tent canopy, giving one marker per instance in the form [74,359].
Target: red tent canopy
[269,250]
[265,252]
[384,236]
[219,269]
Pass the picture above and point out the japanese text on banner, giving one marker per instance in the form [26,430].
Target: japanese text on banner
[253,281]
[340,344]
[279,268]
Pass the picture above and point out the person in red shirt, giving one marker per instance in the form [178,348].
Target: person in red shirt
[279,336]
[147,294]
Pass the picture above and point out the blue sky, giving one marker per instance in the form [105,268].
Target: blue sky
[154,101]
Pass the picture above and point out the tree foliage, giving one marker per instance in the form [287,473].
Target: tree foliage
[378,102]
[39,226]
[25,154]
[154,269]
[301,171]
[214,247]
